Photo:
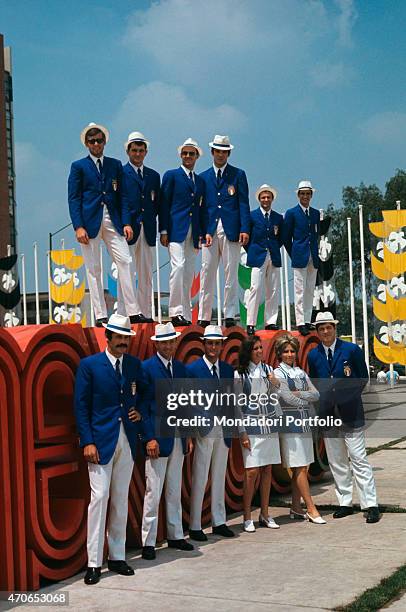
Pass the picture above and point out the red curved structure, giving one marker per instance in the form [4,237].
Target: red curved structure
[43,479]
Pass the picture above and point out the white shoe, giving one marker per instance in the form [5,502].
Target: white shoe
[249,526]
[268,522]
[317,519]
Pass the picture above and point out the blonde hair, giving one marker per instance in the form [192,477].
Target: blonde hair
[284,341]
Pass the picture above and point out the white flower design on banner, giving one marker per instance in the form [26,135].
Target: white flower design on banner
[114,271]
[8,281]
[10,319]
[379,249]
[396,241]
[381,292]
[398,286]
[324,248]
[60,314]
[76,312]
[323,293]
[397,332]
[60,276]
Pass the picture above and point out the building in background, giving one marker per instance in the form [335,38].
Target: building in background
[8,228]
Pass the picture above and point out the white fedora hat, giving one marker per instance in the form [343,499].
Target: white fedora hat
[189,142]
[221,142]
[135,137]
[213,332]
[266,187]
[325,317]
[119,325]
[92,126]
[164,331]
[305,185]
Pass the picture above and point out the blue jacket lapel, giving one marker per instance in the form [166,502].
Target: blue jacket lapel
[92,166]
[109,368]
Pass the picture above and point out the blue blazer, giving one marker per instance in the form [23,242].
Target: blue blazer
[102,402]
[349,367]
[264,238]
[199,369]
[301,236]
[142,198]
[88,190]
[227,201]
[182,203]
[154,370]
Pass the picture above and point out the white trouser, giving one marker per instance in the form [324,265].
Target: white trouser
[304,282]
[208,450]
[158,471]
[110,480]
[119,252]
[229,252]
[267,275]
[182,256]
[141,267]
[351,446]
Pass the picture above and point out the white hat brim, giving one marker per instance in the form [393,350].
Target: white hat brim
[140,140]
[213,145]
[122,332]
[97,126]
[210,337]
[312,189]
[198,149]
[334,321]
[171,337]
[271,189]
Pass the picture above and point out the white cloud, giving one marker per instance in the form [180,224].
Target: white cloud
[387,128]
[326,74]
[346,20]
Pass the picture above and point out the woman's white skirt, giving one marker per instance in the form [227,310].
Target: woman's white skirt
[264,451]
[296,449]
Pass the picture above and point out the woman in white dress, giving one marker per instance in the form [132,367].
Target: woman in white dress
[296,394]
[260,445]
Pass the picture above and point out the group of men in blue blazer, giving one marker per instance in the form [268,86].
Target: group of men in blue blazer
[209,211]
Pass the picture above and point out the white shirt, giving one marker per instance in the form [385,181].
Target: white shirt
[165,362]
[136,168]
[304,208]
[188,172]
[210,365]
[95,159]
[113,360]
[221,169]
[332,347]
[265,211]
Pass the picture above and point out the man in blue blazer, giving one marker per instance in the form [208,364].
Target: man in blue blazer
[180,226]
[109,391]
[210,445]
[165,453]
[227,228]
[301,229]
[97,213]
[141,193]
[264,257]
[339,370]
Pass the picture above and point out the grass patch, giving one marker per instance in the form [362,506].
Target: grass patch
[379,595]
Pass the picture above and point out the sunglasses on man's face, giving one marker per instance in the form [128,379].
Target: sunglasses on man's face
[95,140]
[188,154]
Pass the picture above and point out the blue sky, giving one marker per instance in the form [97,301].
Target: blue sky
[304,88]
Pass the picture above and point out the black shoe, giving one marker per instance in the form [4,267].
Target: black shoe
[202,323]
[99,322]
[230,323]
[303,331]
[180,545]
[310,326]
[92,575]
[250,330]
[148,553]
[120,567]
[139,318]
[198,535]
[224,531]
[373,515]
[180,321]
[343,511]
[272,327]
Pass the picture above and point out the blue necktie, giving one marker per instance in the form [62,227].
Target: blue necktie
[214,371]
[100,166]
[330,358]
[169,368]
[118,371]
[218,177]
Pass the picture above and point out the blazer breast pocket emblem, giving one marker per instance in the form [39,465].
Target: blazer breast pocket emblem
[231,190]
[114,184]
[347,369]
[133,387]
[152,196]
[276,229]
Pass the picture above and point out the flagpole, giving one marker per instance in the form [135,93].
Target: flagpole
[50,318]
[158,280]
[218,297]
[352,302]
[37,315]
[287,297]
[24,289]
[363,285]
[283,307]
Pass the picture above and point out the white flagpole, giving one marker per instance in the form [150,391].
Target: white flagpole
[37,315]
[8,250]
[49,287]
[62,244]
[218,297]
[363,284]
[287,297]
[152,299]
[158,280]
[24,289]
[352,303]
[283,306]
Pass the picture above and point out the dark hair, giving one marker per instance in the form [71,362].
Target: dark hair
[93,132]
[108,333]
[244,354]
[214,149]
[137,142]
[284,341]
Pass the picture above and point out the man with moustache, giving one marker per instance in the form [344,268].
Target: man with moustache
[180,226]
[141,191]
[227,228]
[264,257]
[165,454]
[211,448]
[301,230]
[109,391]
[98,213]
